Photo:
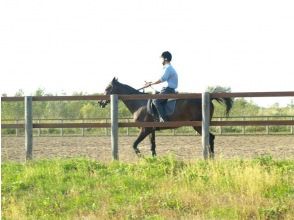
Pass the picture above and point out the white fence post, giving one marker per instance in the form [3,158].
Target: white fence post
[106,129]
[61,130]
[128,132]
[205,123]
[39,129]
[83,129]
[16,130]
[114,126]
[28,127]
[292,127]
[267,127]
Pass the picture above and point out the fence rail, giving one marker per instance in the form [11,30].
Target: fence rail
[95,122]
[170,124]
[152,96]
[205,123]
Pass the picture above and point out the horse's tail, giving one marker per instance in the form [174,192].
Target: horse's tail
[228,102]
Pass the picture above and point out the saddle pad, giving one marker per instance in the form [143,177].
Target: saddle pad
[170,106]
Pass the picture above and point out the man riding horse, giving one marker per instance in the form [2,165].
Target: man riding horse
[189,109]
[171,77]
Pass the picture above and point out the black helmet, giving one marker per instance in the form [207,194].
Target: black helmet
[166,56]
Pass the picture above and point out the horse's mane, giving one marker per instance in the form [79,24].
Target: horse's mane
[130,89]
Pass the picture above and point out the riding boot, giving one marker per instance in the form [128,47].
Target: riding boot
[161,112]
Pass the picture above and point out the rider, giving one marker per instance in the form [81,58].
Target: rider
[171,77]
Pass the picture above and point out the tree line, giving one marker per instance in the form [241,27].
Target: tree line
[91,109]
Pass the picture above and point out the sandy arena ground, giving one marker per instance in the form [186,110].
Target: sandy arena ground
[183,147]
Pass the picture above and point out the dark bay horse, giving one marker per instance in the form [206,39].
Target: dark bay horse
[185,110]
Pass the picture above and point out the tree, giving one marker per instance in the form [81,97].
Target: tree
[40,107]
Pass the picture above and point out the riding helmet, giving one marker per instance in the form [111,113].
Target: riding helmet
[166,56]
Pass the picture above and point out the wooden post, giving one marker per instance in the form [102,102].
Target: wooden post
[114,126]
[243,127]
[292,127]
[128,134]
[205,123]
[83,129]
[106,129]
[267,127]
[61,130]
[221,127]
[39,130]
[28,127]
[16,130]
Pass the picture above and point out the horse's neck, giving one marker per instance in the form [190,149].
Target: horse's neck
[132,105]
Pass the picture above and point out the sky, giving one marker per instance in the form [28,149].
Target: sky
[66,46]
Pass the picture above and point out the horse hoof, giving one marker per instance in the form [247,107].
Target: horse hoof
[153,154]
[137,151]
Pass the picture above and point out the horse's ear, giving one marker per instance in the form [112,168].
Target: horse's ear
[114,79]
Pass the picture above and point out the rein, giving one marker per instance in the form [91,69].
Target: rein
[146,87]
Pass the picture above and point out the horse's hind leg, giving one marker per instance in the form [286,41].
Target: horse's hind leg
[152,142]
[198,129]
[211,141]
[211,144]
[143,133]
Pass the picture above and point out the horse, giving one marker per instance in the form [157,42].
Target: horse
[185,110]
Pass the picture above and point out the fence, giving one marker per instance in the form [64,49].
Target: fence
[205,123]
[187,131]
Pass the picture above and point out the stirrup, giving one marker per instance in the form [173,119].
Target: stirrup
[165,119]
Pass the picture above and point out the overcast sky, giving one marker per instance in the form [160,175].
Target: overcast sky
[69,45]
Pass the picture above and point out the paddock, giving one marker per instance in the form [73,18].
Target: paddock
[182,147]
[231,146]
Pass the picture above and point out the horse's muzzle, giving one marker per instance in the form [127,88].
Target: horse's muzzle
[103,103]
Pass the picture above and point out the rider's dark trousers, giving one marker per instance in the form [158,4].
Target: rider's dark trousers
[159,103]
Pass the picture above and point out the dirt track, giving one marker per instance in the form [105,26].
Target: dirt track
[184,147]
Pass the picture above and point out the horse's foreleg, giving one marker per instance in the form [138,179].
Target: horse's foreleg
[143,133]
[152,142]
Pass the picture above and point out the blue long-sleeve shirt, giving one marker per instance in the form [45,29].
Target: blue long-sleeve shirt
[170,76]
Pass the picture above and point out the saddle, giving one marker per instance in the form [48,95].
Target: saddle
[169,106]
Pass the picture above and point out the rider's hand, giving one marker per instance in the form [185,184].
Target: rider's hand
[147,84]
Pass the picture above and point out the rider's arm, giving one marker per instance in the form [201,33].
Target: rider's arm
[164,77]
[147,84]
[157,82]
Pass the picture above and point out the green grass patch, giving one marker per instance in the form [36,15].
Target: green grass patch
[153,188]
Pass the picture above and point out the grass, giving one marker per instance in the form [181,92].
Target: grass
[160,188]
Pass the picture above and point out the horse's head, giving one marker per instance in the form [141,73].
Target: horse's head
[110,89]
